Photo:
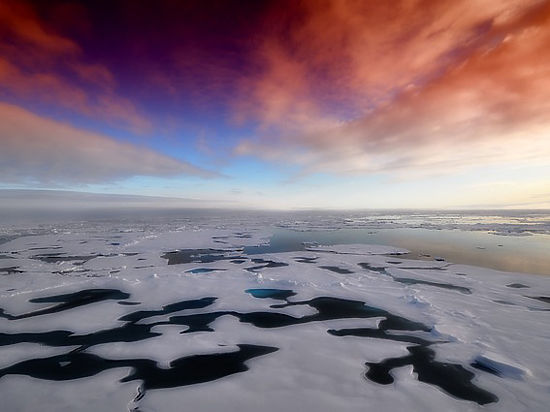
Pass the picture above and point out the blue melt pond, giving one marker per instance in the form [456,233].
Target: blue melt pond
[201,270]
[281,294]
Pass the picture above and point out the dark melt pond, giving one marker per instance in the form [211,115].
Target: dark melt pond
[454,379]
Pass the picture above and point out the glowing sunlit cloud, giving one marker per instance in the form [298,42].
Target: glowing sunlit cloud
[433,89]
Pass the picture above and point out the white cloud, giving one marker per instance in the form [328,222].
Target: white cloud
[37,150]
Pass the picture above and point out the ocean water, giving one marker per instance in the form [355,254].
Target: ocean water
[526,254]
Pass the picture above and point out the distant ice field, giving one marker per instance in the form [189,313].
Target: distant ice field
[257,311]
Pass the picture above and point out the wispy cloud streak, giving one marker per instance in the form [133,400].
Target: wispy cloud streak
[37,150]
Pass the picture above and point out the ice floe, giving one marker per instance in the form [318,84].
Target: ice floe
[151,318]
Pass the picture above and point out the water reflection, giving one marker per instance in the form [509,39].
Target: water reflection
[527,254]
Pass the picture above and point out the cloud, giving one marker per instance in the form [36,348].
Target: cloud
[95,74]
[35,150]
[48,87]
[403,87]
[19,18]
[28,202]
[38,65]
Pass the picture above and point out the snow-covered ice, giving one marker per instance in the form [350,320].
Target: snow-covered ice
[163,317]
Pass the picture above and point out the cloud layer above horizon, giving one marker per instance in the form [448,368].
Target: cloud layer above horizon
[278,95]
[70,155]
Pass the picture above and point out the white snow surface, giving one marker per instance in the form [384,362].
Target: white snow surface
[472,313]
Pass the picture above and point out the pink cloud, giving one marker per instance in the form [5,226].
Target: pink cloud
[427,86]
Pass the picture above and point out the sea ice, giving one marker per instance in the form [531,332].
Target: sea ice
[99,318]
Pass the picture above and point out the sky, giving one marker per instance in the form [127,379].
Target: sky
[289,104]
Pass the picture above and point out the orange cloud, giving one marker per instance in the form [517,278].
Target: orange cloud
[39,150]
[361,87]
[20,19]
[34,62]
[96,74]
